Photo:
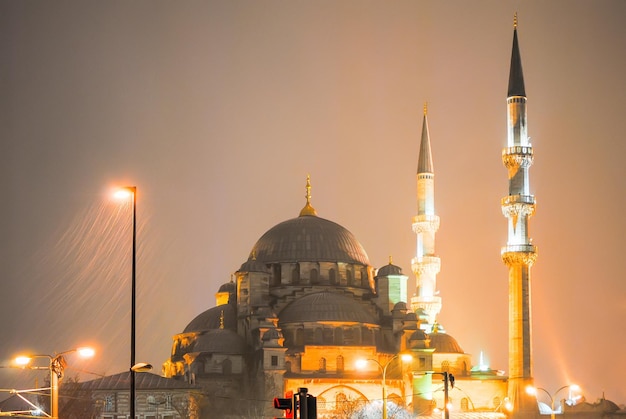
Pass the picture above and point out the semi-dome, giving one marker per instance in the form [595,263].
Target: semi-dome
[325,306]
[220,341]
[309,238]
[214,318]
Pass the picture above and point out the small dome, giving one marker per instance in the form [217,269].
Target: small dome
[211,319]
[444,343]
[228,287]
[400,305]
[272,334]
[419,334]
[325,306]
[389,270]
[253,265]
[410,317]
[220,341]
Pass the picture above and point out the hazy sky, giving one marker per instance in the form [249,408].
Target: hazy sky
[217,111]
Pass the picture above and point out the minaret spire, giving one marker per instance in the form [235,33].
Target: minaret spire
[426,264]
[519,254]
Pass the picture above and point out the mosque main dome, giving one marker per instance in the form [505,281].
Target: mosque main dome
[309,238]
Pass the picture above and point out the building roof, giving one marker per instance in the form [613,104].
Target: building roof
[213,318]
[143,381]
[325,306]
[221,341]
[516,77]
[425,159]
[309,238]
[444,343]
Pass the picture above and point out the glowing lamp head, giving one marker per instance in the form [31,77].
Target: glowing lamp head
[532,391]
[86,352]
[574,387]
[22,360]
[361,364]
[406,358]
[508,405]
[124,193]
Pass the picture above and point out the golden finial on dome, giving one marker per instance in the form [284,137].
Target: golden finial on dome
[425,108]
[390,260]
[515,21]
[308,209]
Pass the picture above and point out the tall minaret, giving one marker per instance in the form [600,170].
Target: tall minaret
[425,264]
[519,252]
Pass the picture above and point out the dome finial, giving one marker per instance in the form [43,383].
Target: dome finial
[308,209]
[425,108]
[390,260]
[515,21]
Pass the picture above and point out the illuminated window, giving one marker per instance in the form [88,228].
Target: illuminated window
[445,366]
[109,403]
[464,404]
[322,365]
[340,363]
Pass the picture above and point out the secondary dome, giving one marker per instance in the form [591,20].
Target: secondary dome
[325,306]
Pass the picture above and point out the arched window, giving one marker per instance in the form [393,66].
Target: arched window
[340,402]
[295,274]
[322,365]
[318,336]
[332,276]
[299,337]
[365,283]
[445,366]
[227,366]
[349,277]
[339,336]
[340,363]
[314,276]
[288,366]
[464,404]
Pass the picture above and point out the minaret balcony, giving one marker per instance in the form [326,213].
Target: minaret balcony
[425,223]
[517,156]
[426,265]
[514,206]
[519,254]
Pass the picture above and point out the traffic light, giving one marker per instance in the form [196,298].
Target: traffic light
[288,404]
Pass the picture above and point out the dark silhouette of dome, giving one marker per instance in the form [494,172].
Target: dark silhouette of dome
[221,341]
[309,238]
[389,269]
[228,287]
[325,306]
[211,319]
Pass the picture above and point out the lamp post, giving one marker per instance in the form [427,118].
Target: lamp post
[125,192]
[533,392]
[383,368]
[56,366]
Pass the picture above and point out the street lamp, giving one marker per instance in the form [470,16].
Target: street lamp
[383,368]
[125,192]
[533,392]
[56,366]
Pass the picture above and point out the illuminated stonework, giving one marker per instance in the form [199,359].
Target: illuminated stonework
[517,156]
[519,255]
[430,265]
[425,223]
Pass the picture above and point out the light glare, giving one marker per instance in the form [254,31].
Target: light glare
[22,360]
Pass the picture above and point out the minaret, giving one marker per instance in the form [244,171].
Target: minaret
[519,254]
[426,265]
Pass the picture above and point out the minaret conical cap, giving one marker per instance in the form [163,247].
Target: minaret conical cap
[425,159]
[516,77]
[308,209]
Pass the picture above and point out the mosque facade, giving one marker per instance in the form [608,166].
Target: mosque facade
[307,304]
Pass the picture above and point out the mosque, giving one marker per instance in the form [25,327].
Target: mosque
[306,305]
